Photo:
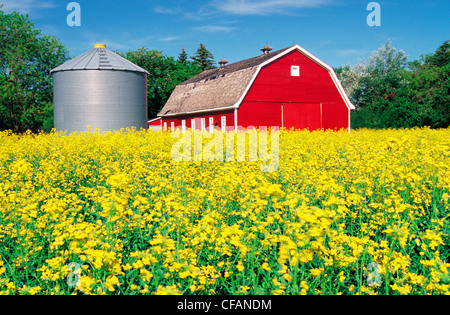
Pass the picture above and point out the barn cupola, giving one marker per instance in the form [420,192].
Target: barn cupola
[223,63]
[266,49]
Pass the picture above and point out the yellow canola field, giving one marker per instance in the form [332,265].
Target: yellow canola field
[345,213]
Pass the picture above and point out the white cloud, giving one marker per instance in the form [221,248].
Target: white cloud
[264,7]
[168,39]
[166,10]
[214,28]
[25,6]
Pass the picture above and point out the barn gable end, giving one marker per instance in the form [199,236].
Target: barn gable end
[234,88]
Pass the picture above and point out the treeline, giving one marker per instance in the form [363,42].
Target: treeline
[26,58]
[166,72]
[388,91]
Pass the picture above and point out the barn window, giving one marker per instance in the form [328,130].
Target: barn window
[193,124]
[224,123]
[165,126]
[203,124]
[211,124]
[172,126]
[183,125]
[295,71]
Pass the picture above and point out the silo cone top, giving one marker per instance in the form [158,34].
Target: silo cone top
[99,58]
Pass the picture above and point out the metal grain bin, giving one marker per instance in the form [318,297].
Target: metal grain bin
[99,89]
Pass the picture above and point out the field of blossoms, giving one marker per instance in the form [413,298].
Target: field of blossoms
[365,212]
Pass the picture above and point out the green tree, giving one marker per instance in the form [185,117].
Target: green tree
[382,75]
[441,57]
[26,58]
[390,95]
[429,87]
[374,85]
[165,73]
[183,57]
[204,58]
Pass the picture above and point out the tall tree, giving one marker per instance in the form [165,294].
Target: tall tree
[204,58]
[441,57]
[26,58]
[183,57]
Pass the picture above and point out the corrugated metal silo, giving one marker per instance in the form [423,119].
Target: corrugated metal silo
[100,89]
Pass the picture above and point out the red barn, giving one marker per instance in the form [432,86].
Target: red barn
[155,124]
[287,88]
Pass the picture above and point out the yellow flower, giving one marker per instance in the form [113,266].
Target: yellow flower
[341,276]
[276,282]
[316,272]
[405,289]
[184,274]
[265,266]
[169,290]
[245,288]
[122,206]
[288,277]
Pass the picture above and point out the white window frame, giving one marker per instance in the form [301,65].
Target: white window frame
[183,125]
[223,121]
[165,126]
[172,126]
[211,124]
[193,124]
[203,124]
[295,71]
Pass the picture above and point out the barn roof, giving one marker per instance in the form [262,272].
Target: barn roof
[224,88]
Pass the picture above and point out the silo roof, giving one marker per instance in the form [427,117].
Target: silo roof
[99,58]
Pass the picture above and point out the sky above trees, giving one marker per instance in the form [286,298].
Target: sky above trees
[335,31]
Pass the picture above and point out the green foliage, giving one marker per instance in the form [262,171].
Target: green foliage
[26,58]
[165,73]
[429,87]
[203,58]
[382,75]
[183,57]
[391,93]
[441,57]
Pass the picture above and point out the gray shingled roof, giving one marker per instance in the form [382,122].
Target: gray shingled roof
[216,88]
[99,59]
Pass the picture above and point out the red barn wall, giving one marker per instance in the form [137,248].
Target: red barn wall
[309,101]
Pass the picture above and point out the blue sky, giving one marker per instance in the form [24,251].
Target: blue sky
[335,31]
